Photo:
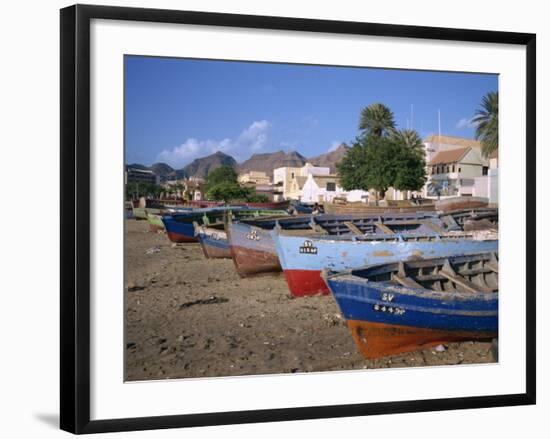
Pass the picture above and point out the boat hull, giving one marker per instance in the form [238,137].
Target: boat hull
[155,223]
[302,259]
[377,340]
[179,232]
[214,246]
[386,319]
[364,209]
[461,203]
[252,249]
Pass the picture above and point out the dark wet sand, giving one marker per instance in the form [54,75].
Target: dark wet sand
[187,316]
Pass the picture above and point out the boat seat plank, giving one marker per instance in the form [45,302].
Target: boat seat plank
[384,228]
[317,228]
[492,266]
[406,281]
[353,228]
[463,282]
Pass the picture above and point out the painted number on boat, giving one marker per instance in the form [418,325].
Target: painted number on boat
[391,309]
[308,248]
[253,235]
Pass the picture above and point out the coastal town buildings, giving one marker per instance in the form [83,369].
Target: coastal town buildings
[487,185]
[291,180]
[452,166]
[255,177]
[137,175]
[453,172]
[320,189]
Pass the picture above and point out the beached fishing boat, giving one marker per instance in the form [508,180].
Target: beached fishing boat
[411,305]
[276,205]
[155,222]
[460,203]
[213,240]
[302,258]
[472,219]
[179,227]
[253,249]
[368,209]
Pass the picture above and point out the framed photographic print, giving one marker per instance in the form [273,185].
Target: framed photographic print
[275,218]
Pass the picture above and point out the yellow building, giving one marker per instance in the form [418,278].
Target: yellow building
[255,177]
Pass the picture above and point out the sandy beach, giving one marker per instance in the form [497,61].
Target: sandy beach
[188,316]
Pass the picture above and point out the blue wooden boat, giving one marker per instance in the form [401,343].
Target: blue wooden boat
[253,249]
[302,258]
[410,305]
[179,226]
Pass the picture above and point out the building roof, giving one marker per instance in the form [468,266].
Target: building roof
[322,180]
[452,140]
[449,156]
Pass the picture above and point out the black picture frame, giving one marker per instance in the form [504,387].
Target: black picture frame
[75,217]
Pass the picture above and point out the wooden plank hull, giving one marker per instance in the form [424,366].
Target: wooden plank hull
[461,203]
[252,249]
[214,244]
[281,205]
[361,208]
[155,223]
[180,227]
[376,340]
[389,312]
[302,258]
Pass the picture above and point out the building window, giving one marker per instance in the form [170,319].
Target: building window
[453,168]
[292,175]
[485,170]
[331,187]
[459,169]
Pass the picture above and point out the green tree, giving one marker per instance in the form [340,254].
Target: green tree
[409,138]
[486,121]
[376,120]
[226,191]
[223,174]
[379,163]
[253,197]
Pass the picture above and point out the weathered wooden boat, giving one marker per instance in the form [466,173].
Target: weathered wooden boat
[460,203]
[140,213]
[253,249]
[368,209]
[276,205]
[410,305]
[472,219]
[213,240]
[300,208]
[179,227]
[303,258]
[197,204]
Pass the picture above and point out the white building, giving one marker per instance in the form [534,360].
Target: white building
[487,185]
[453,172]
[290,180]
[320,189]
[453,164]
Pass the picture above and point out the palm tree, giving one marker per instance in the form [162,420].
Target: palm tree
[376,119]
[486,120]
[410,138]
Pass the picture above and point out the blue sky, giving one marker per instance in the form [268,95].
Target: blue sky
[177,110]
